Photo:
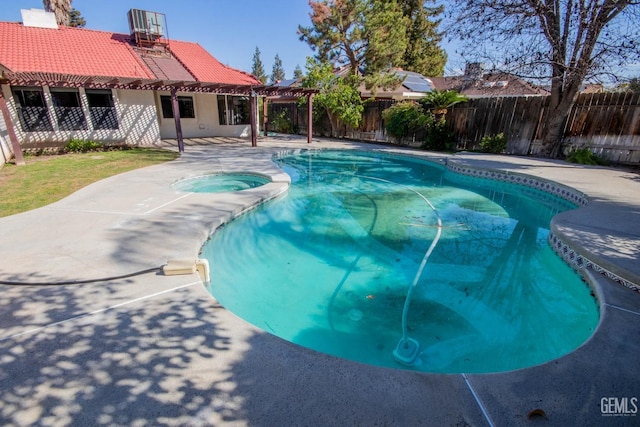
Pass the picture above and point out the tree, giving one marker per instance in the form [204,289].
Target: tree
[60,9]
[372,37]
[423,53]
[564,42]
[277,72]
[375,35]
[386,36]
[76,19]
[257,69]
[338,96]
[440,101]
[337,32]
[634,85]
[297,73]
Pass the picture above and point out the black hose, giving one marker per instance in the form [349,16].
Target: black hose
[81,282]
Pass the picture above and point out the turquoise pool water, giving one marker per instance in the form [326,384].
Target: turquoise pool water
[328,266]
[220,183]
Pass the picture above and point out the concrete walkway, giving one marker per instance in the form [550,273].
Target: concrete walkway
[149,349]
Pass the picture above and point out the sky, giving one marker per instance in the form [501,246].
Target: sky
[228,29]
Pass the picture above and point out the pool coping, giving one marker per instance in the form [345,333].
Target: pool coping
[246,376]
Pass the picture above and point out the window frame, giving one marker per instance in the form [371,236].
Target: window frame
[68,110]
[234,110]
[186,107]
[33,118]
[103,117]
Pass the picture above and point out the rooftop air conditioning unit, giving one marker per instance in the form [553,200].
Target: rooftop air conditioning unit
[146,27]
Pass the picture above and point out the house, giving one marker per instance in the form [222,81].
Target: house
[58,83]
[475,83]
[413,86]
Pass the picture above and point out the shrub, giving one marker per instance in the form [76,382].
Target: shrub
[281,123]
[496,144]
[438,137]
[585,156]
[81,146]
[404,118]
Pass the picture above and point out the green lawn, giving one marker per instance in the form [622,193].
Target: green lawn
[46,179]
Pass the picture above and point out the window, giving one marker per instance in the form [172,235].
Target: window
[185,107]
[234,110]
[32,109]
[66,105]
[101,109]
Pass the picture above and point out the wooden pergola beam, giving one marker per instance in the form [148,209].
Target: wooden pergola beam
[309,118]
[253,103]
[176,117]
[15,145]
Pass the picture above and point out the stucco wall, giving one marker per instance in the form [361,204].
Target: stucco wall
[137,119]
[206,122]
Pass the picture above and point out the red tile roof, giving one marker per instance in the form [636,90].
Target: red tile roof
[68,51]
[205,67]
[82,52]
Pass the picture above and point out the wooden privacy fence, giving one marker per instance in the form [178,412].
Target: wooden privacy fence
[606,123]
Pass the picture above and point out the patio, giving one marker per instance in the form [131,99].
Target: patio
[151,349]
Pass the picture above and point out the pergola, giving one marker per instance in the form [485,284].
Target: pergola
[172,86]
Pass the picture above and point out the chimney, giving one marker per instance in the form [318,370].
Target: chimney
[38,18]
[473,71]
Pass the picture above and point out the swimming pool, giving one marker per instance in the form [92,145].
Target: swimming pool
[329,266]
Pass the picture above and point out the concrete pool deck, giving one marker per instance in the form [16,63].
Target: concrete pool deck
[156,350]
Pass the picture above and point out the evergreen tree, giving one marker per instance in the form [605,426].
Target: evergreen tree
[376,35]
[257,69]
[385,27]
[76,19]
[337,32]
[277,73]
[423,53]
[297,73]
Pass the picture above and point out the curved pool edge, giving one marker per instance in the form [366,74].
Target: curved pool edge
[565,245]
[273,381]
[606,297]
[449,164]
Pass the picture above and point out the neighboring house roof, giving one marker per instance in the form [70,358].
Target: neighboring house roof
[288,83]
[592,88]
[413,86]
[488,85]
[82,52]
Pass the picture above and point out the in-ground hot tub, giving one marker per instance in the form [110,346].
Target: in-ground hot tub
[223,182]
